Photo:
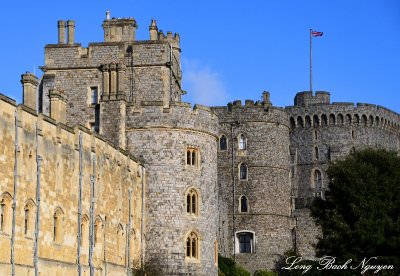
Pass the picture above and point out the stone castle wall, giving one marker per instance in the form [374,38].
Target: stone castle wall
[267,187]
[161,137]
[144,71]
[115,173]
[334,130]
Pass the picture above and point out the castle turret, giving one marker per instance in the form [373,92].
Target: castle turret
[153,30]
[119,29]
[29,84]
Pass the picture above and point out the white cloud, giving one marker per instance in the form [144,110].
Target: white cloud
[203,85]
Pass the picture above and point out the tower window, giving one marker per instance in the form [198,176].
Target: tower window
[28,217]
[243,204]
[223,143]
[192,202]
[120,240]
[318,180]
[5,209]
[242,142]
[192,157]
[316,153]
[243,172]
[192,246]
[245,241]
[94,95]
[57,226]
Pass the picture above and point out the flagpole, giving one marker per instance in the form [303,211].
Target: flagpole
[311,60]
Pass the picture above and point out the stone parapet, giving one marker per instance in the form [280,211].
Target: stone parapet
[178,116]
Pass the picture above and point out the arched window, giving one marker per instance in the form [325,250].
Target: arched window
[192,202]
[245,242]
[308,121]
[340,119]
[57,225]
[316,153]
[85,231]
[332,120]
[192,157]
[317,180]
[243,171]
[315,120]
[324,120]
[28,217]
[244,208]
[98,225]
[242,142]
[120,240]
[223,145]
[5,212]
[292,123]
[192,246]
[356,119]
[348,119]
[300,121]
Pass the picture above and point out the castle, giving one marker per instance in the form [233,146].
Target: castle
[105,169]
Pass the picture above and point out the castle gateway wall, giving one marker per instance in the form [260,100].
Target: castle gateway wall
[58,170]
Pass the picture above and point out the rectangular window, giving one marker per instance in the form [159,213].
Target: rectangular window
[95,95]
[192,157]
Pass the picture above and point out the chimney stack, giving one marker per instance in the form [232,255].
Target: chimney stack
[61,32]
[58,105]
[29,84]
[71,31]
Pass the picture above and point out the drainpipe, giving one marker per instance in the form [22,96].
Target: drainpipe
[91,230]
[128,268]
[104,246]
[142,223]
[80,204]
[15,193]
[233,190]
[38,171]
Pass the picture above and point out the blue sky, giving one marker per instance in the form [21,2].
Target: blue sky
[233,49]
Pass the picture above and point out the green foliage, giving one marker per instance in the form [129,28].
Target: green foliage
[265,273]
[228,267]
[361,214]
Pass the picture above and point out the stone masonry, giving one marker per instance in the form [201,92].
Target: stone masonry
[235,179]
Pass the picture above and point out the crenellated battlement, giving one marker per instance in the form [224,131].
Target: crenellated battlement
[306,98]
[179,115]
[343,113]
[251,111]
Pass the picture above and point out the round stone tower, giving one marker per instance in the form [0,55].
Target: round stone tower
[178,145]
[322,132]
[253,174]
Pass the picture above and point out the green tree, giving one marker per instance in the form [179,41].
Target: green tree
[360,214]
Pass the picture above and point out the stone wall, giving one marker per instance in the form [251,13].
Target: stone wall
[162,137]
[267,187]
[115,174]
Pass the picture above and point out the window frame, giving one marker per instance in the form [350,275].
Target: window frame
[192,157]
[242,142]
[189,195]
[243,175]
[241,204]
[192,238]
[223,136]
[252,241]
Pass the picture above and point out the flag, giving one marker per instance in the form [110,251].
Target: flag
[315,33]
